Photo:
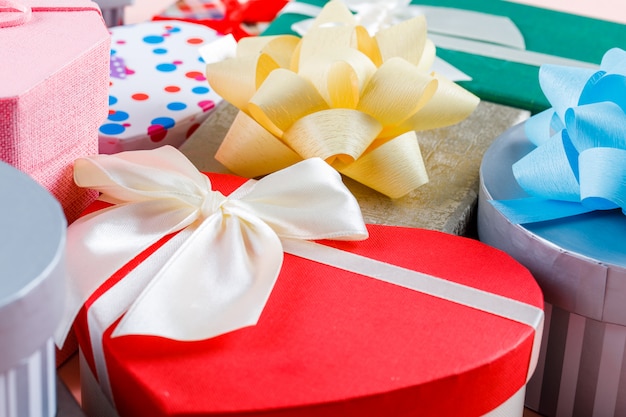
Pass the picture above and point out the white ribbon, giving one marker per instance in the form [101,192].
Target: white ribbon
[467,31]
[220,275]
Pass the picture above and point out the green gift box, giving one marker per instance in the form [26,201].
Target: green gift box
[501,71]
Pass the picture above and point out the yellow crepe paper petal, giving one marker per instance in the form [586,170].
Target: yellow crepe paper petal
[333,28]
[394,168]
[428,56]
[343,86]
[329,76]
[450,104]
[295,58]
[404,40]
[237,79]
[368,45]
[284,98]
[250,150]
[330,134]
[396,92]
[280,48]
[319,41]
[334,13]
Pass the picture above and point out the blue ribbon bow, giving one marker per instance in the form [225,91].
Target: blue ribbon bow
[579,164]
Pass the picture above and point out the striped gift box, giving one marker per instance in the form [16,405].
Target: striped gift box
[580,264]
[32,271]
[28,389]
[581,369]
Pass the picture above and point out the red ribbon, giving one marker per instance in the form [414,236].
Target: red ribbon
[237,14]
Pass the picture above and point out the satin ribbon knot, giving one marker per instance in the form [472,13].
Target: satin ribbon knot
[579,163]
[216,272]
[212,203]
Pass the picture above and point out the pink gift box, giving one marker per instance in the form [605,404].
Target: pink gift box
[54,78]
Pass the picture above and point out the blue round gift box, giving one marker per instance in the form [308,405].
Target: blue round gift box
[580,265]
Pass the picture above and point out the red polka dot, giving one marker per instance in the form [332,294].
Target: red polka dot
[194,41]
[177,62]
[121,42]
[140,96]
[195,75]
[168,27]
[126,124]
[111,111]
[172,89]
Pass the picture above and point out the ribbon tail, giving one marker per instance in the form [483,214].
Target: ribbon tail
[532,209]
[103,242]
[217,281]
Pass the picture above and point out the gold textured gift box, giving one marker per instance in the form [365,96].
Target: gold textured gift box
[452,156]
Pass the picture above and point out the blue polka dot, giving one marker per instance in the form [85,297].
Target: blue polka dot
[176,105]
[200,90]
[166,67]
[153,39]
[174,30]
[113,51]
[112,100]
[166,122]
[160,51]
[118,116]
[112,129]
[201,59]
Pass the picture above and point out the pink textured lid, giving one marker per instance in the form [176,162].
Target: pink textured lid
[56,33]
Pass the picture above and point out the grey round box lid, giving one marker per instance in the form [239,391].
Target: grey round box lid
[32,265]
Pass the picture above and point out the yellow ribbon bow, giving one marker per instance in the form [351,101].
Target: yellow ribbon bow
[340,94]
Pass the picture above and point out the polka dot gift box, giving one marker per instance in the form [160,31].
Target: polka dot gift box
[158,93]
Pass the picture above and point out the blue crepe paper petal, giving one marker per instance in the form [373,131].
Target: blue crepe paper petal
[562,85]
[610,87]
[541,127]
[603,178]
[614,61]
[596,125]
[551,170]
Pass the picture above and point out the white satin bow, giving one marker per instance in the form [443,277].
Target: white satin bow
[220,276]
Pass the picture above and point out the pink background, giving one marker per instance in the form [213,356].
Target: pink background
[613,10]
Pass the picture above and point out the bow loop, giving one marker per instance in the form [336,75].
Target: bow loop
[136,176]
